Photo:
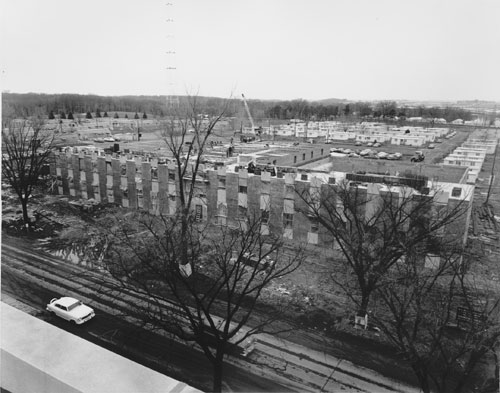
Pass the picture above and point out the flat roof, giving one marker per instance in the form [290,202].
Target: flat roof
[438,190]
[440,172]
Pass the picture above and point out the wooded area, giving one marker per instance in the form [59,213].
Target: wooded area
[16,105]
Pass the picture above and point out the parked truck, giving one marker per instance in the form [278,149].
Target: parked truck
[419,156]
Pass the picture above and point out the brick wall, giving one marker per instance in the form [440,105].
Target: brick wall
[101,170]
[75,164]
[146,186]
[162,189]
[232,183]
[253,196]
[89,176]
[131,186]
[211,193]
[276,208]
[278,195]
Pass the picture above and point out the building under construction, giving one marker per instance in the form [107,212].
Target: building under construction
[267,183]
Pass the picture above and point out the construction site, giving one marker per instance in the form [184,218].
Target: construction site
[248,171]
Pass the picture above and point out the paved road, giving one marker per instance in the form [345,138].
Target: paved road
[33,276]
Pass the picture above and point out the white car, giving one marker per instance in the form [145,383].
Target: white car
[71,309]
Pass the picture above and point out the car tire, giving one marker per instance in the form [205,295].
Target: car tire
[73,322]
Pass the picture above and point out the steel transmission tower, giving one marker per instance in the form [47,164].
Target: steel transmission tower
[172,100]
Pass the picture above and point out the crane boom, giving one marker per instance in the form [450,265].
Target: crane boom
[248,113]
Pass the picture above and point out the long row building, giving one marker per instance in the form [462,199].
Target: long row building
[267,183]
[363,132]
[472,153]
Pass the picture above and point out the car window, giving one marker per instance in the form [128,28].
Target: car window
[61,307]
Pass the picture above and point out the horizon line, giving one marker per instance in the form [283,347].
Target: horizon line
[264,99]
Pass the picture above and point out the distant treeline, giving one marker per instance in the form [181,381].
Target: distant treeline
[377,110]
[15,105]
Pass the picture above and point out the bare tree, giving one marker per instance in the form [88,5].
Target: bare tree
[404,245]
[27,150]
[186,135]
[438,318]
[230,270]
[374,226]
[200,282]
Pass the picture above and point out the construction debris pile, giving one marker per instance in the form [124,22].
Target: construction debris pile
[485,223]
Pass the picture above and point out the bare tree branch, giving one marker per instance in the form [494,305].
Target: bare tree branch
[27,153]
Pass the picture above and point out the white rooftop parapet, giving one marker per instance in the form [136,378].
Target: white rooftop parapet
[39,357]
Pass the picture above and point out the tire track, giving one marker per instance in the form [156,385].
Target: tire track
[270,357]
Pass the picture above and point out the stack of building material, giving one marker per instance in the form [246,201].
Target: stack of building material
[484,222]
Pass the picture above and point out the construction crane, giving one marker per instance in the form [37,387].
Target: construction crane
[248,112]
[255,130]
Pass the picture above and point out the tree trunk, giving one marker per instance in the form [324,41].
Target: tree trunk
[365,300]
[26,219]
[470,366]
[218,368]
[184,233]
[422,379]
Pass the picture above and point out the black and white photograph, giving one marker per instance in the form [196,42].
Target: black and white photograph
[250,196]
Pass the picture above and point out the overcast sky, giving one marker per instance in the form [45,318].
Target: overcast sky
[266,49]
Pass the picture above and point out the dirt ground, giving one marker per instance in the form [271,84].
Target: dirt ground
[320,310]
[319,306]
